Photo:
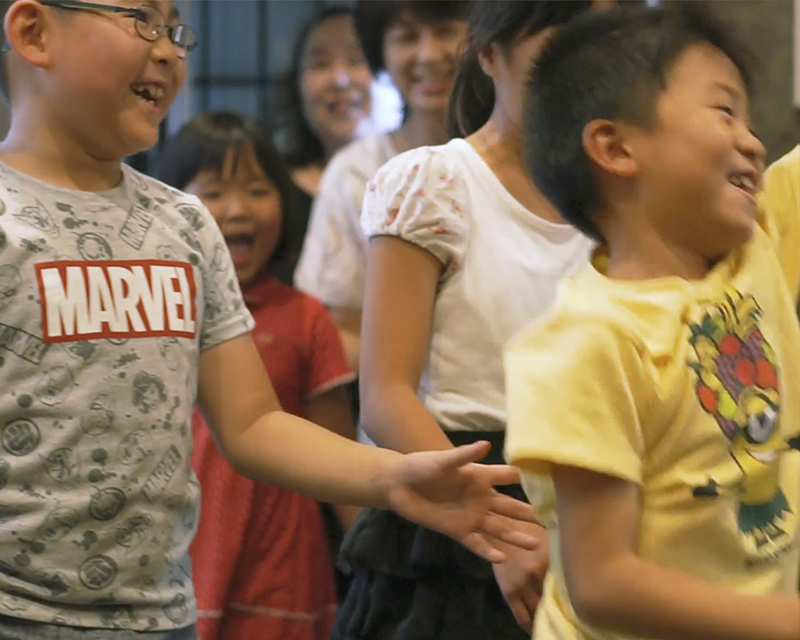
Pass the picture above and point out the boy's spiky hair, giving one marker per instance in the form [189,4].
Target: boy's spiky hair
[607,65]
[5,5]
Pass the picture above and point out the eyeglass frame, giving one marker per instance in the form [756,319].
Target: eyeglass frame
[170,30]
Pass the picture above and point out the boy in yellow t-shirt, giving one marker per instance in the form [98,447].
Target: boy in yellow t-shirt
[655,414]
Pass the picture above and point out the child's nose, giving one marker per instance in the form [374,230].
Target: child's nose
[751,147]
[430,48]
[235,207]
[341,75]
[164,50]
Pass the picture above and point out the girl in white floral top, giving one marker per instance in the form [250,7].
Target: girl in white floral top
[463,252]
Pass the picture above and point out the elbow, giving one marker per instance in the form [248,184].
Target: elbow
[595,597]
[370,413]
[377,404]
[231,454]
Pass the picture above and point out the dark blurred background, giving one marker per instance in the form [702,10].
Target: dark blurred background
[246,45]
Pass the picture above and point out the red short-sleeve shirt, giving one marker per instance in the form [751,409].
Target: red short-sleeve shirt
[260,558]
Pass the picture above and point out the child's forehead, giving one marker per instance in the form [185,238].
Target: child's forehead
[701,65]
[167,7]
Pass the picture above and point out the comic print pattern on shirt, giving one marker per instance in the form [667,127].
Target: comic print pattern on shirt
[106,300]
[738,384]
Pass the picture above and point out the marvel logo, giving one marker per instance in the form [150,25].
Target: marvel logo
[116,299]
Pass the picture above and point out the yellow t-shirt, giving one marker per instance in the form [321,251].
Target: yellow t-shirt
[689,389]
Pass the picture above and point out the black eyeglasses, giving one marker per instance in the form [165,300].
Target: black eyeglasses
[150,23]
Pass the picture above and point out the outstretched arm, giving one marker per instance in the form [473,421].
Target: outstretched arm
[441,490]
[611,587]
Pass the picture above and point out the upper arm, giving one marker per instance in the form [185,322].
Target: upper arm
[413,214]
[608,508]
[398,311]
[233,388]
[577,392]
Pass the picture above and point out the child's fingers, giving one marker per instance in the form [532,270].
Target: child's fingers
[459,456]
[500,474]
[507,530]
[512,508]
[521,613]
[480,546]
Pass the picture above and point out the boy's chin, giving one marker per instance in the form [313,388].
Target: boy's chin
[732,236]
[140,144]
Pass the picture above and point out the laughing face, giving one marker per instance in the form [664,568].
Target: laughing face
[108,86]
[421,58]
[700,164]
[247,207]
[335,82]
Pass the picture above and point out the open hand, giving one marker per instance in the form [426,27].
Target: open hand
[447,492]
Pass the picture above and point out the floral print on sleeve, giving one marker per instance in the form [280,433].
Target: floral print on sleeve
[419,197]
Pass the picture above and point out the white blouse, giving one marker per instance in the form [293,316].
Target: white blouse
[502,264]
[333,261]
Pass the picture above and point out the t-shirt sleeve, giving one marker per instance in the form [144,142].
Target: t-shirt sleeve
[225,315]
[333,262]
[575,391]
[779,203]
[420,197]
[328,366]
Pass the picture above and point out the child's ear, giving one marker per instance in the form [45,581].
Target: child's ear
[488,58]
[607,145]
[26,27]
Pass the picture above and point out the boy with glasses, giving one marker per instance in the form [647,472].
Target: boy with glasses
[119,306]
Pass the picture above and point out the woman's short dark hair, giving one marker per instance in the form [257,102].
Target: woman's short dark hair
[611,65]
[300,145]
[501,22]
[203,145]
[374,17]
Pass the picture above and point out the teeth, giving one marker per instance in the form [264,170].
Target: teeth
[150,92]
[743,182]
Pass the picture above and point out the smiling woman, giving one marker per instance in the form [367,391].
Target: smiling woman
[417,44]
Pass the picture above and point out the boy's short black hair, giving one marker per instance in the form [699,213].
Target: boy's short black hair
[5,5]
[373,17]
[203,144]
[608,65]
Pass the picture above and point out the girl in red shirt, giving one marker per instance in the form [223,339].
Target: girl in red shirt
[262,567]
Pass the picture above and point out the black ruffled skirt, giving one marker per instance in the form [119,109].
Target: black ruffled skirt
[411,583]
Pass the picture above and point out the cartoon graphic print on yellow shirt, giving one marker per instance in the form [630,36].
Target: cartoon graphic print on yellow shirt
[737,383]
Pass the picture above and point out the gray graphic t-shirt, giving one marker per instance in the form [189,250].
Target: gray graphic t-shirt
[106,300]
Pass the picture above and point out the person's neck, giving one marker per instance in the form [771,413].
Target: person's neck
[421,130]
[499,142]
[38,150]
[308,177]
[639,253]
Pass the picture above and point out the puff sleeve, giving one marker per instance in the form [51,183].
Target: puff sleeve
[420,197]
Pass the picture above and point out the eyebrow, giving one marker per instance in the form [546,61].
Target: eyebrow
[729,89]
[174,13]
